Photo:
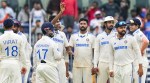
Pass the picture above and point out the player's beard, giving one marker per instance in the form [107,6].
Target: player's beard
[122,33]
[110,28]
[15,31]
[51,35]
[83,28]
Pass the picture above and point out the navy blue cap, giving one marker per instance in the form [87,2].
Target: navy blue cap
[8,23]
[120,23]
[135,21]
[47,25]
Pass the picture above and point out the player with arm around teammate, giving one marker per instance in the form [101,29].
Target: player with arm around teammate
[143,44]
[123,47]
[46,55]
[11,54]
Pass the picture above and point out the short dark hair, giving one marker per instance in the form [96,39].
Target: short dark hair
[47,25]
[8,23]
[83,19]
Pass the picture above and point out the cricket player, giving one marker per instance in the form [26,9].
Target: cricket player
[28,48]
[11,55]
[122,52]
[46,55]
[62,42]
[101,55]
[143,44]
[83,43]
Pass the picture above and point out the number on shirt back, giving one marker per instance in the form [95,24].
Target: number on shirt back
[14,51]
[39,53]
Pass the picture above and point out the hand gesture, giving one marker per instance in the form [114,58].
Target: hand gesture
[62,7]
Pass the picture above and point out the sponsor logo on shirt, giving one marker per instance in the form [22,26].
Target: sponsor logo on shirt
[58,40]
[82,36]
[120,47]
[105,42]
[82,45]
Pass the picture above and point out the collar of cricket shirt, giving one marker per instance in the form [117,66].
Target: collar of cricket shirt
[136,31]
[56,32]
[83,35]
[44,37]
[8,31]
[19,33]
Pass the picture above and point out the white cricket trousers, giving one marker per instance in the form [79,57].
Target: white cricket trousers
[46,73]
[10,71]
[123,74]
[103,74]
[138,79]
[62,71]
[80,73]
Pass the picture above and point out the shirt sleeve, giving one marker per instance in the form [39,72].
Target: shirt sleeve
[66,56]
[65,40]
[137,51]
[111,57]
[12,13]
[22,53]
[19,16]
[34,59]
[71,43]
[140,36]
[93,41]
[96,52]
[29,51]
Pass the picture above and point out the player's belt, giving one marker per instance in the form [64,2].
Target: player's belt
[42,61]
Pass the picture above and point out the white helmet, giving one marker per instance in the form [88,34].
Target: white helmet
[108,18]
